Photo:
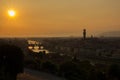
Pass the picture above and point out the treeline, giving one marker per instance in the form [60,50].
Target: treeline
[11,62]
[73,69]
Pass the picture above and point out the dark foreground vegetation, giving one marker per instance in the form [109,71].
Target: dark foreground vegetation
[75,69]
[11,62]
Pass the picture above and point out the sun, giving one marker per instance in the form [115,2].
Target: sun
[11,13]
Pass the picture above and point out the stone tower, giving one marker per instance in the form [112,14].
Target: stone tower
[84,34]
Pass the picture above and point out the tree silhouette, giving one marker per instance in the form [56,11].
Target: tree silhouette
[11,61]
[114,72]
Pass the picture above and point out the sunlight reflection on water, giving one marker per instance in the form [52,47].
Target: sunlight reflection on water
[36,47]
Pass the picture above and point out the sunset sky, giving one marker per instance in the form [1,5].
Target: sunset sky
[59,17]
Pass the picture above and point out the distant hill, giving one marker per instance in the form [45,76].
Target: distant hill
[111,34]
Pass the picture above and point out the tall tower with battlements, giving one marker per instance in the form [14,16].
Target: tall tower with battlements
[84,34]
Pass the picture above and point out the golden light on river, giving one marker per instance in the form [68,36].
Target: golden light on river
[11,13]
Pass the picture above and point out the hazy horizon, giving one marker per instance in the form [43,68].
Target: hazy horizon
[59,17]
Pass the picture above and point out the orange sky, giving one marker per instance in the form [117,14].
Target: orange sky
[59,17]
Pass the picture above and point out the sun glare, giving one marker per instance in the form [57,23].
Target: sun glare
[11,13]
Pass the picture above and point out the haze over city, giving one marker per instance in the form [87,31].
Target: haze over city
[59,39]
[59,17]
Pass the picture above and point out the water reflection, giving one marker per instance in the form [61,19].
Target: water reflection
[36,46]
[33,42]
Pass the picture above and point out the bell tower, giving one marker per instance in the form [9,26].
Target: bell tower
[84,34]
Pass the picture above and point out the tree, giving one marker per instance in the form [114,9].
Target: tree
[49,67]
[12,61]
[114,72]
[71,71]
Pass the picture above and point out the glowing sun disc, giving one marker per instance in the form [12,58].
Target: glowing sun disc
[11,13]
